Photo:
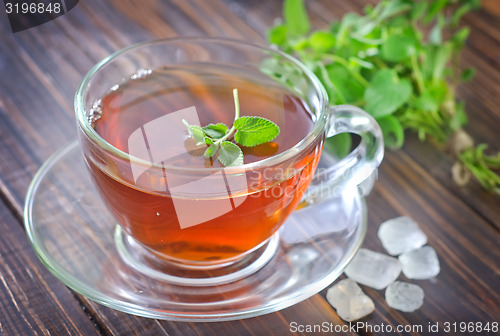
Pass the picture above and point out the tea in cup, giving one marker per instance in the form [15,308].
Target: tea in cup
[165,193]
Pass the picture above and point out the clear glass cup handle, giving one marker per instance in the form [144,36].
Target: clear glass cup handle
[356,167]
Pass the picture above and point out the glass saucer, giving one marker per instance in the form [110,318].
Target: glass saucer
[75,237]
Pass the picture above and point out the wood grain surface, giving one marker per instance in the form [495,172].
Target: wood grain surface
[41,69]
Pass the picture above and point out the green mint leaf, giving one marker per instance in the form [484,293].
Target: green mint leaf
[210,151]
[253,131]
[339,145]
[386,93]
[215,131]
[457,15]
[398,48]
[427,102]
[435,8]
[392,8]
[212,148]
[322,41]
[392,130]
[299,44]
[418,10]
[459,119]
[347,89]
[230,154]
[196,133]
[435,60]
[277,35]
[468,74]
[296,19]
[343,29]
[460,36]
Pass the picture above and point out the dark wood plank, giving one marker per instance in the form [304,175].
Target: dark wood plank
[491,6]
[313,311]
[33,302]
[439,166]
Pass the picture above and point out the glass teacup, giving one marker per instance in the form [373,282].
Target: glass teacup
[206,218]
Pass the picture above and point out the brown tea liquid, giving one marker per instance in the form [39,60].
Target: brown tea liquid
[142,118]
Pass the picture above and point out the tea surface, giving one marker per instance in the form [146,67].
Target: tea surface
[205,94]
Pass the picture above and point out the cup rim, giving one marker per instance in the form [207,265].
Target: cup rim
[318,127]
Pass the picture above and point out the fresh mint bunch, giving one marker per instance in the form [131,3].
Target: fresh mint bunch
[399,62]
[248,132]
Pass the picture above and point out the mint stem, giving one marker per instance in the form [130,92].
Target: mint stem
[417,73]
[345,64]
[236,116]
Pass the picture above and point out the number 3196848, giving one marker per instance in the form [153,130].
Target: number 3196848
[32,8]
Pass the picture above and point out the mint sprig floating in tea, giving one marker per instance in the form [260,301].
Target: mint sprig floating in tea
[248,132]
[399,62]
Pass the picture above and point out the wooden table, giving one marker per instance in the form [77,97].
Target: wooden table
[40,70]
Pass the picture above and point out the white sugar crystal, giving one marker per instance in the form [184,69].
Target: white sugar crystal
[404,296]
[343,290]
[400,235]
[373,269]
[422,263]
[349,300]
[359,307]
